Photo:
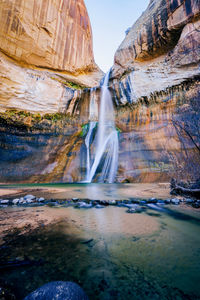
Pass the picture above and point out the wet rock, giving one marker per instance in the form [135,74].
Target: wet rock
[104,202]
[29,201]
[131,211]
[99,206]
[15,201]
[167,201]
[21,200]
[175,201]
[83,205]
[112,202]
[189,200]
[29,197]
[152,200]
[58,290]
[134,208]
[160,202]
[75,199]
[132,200]
[155,207]
[143,202]
[4,201]
[196,205]
[41,199]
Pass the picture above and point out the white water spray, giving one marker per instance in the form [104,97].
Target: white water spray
[107,145]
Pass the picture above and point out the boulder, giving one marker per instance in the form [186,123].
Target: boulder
[58,290]
[15,201]
[175,201]
[4,201]
[41,199]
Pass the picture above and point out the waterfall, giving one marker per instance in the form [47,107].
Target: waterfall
[92,125]
[106,140]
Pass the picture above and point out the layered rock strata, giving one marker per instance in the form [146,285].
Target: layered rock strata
[45,46]
[161,50]
[155,87]
[44,148]
[154,79]
[47,33]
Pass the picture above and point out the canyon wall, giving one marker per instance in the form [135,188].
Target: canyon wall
[47,33]
[155,85]
[46,70]
[45,46]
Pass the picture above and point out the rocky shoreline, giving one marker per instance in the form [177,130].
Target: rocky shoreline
[31,200]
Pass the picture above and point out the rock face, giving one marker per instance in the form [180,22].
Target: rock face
[47,33]
[44,148]
[161,49]
[153,147]
[45,46]
[155,85]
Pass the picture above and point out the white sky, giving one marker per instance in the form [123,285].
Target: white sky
[109,20]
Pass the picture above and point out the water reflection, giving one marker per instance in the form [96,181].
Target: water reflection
[102,191]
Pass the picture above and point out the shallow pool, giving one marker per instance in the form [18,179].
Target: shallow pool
[112,254]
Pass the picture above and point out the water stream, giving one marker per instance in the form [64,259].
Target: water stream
[111,254]
[105,160]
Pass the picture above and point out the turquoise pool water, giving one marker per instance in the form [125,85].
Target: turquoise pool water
[112,254]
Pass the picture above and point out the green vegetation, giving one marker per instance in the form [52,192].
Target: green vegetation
[84,130]
[25,119]
[69,84]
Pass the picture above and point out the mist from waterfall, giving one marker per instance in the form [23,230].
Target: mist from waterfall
[106,144]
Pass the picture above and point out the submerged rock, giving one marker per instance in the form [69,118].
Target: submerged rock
[131,211]
[134,208]
[189,200]
[41,199]
[83,205]
[161,202]
[196,205]
[175,201]
[99,206]
[59,290]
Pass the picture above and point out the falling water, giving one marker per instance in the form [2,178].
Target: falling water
[92,125]
[107,145]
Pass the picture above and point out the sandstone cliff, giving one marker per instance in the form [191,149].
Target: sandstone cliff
[47,33]
[161,49]
[155,85]
[45,46]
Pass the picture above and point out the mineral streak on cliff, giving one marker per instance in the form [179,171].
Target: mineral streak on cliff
[154,83]
[53,34]
[46,54]
[161,49]
[155,79]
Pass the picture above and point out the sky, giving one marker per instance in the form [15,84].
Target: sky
[109,20]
